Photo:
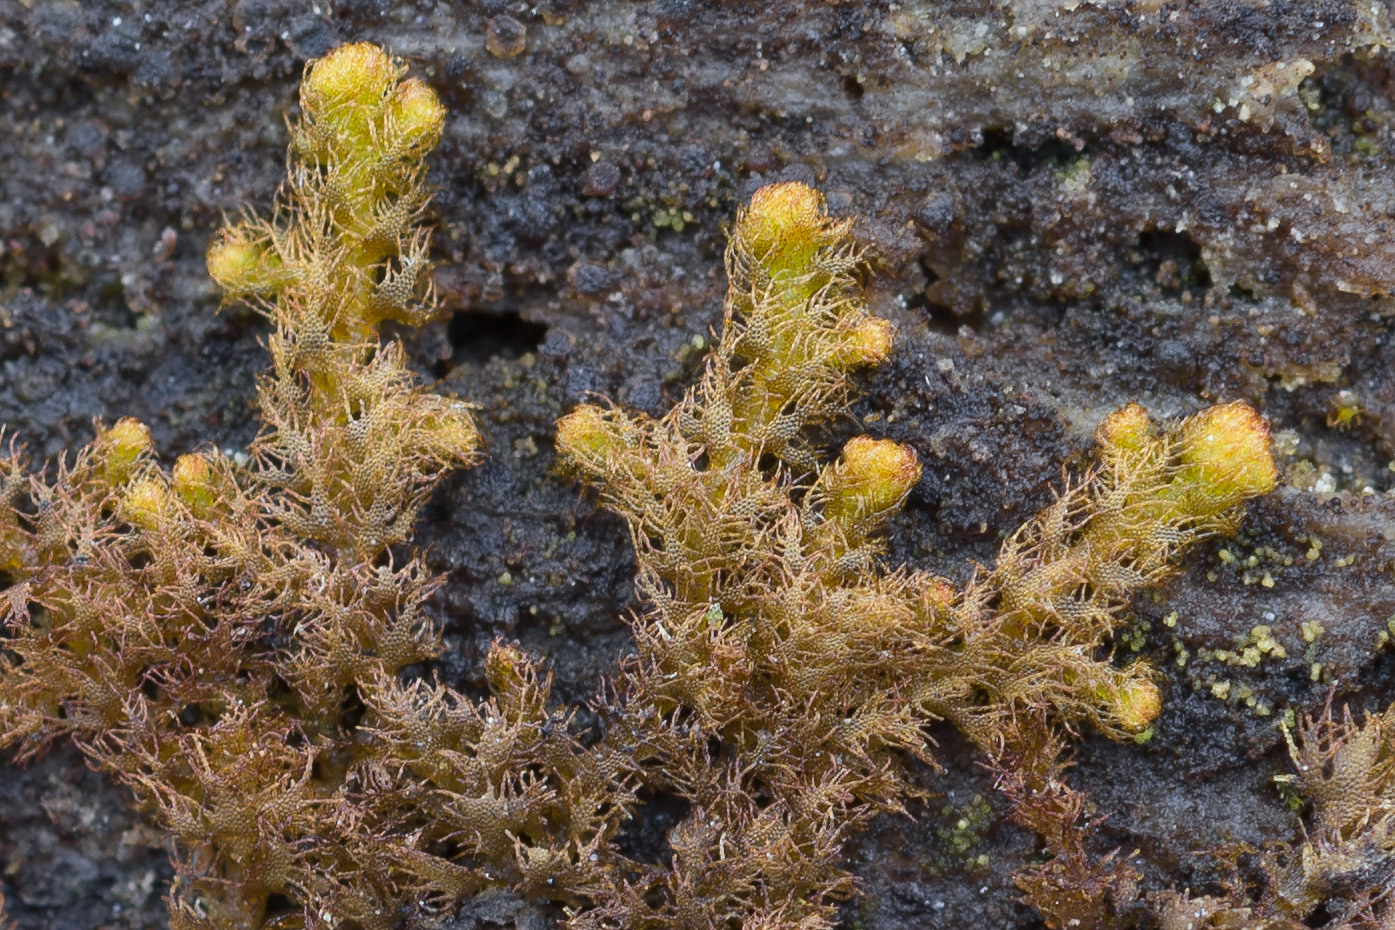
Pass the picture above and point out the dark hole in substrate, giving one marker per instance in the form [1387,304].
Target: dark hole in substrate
[1000,144]
[278,905]
[853,87]
[1320,917]
[1373,677]
[351,708]
[478,337]
[644,837]
[941,317]
[1173,260]
[111,308]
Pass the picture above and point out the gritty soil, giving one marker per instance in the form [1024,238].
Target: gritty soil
[1066,207]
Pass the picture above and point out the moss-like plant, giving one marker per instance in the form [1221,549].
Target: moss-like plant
[782,675]
[230,640]
[1337,875]
[206,633]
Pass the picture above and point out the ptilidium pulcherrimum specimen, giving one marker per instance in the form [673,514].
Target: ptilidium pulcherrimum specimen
[782,675]
[229,640]
[205,633]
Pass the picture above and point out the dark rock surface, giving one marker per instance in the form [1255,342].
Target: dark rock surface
[1068,206]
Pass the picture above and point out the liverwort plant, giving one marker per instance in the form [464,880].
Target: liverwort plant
[232,639]
[782,674]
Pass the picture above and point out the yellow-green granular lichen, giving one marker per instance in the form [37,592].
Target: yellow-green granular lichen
[1135,636]
[1257,564]
[1383,639]
[1249,650]
[672,218]
[961,832]
[1263,638]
